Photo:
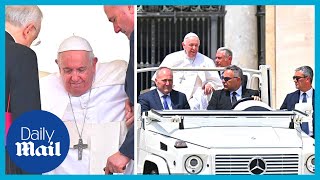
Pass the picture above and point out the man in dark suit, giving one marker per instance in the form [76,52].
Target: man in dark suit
[163,97]
[233,90]
[23,24]
[302,78]
[122,18]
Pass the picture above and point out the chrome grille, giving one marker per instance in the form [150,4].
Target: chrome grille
[239,163]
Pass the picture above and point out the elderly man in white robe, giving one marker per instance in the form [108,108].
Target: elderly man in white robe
[90,99]
[197,85]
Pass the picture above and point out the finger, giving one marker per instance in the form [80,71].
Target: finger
[129,122]
[106,170]
[128,106]
[120,169]
[129,115]
[128,109]
[208,90]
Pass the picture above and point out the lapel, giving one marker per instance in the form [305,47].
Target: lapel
[157,100]
[295,99]
[226,99]
[313,98]
[313,121]
[174,99]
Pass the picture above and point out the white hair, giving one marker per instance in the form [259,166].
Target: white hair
[20,16]
[189,35]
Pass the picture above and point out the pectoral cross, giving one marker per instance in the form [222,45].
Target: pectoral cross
[182,78]
[80,146]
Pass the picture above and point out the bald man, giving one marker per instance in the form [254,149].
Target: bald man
[163,97]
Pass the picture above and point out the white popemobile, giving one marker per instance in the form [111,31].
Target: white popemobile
[250,139]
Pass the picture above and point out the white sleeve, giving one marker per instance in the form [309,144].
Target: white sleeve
[212,77]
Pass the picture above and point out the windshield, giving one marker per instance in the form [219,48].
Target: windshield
[194,119]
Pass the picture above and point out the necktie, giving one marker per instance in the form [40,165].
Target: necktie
[305,125]
[234,98]
[165,104]
[304,97]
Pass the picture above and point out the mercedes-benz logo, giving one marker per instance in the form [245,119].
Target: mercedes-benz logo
[257,165]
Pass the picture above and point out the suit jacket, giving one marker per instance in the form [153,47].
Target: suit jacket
[220,99]
[22,79]
[127,147]
[22,84]
[292,99]
[151,100]
[129,87]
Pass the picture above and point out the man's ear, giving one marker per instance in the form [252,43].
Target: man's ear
[27,30]
[95,60]
[94,63]
[309,79]
[57,64]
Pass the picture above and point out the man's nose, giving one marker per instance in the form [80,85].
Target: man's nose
[116,28]
[75,76]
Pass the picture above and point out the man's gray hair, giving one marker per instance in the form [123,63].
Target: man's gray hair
[20,16]
[227,51]
[307,71]
[236,70]
[157,72]
[189,35]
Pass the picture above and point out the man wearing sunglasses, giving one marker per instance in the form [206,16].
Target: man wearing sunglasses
[302,79]
[233,90]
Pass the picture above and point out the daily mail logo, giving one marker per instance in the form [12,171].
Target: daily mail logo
[27,148]
[38,141]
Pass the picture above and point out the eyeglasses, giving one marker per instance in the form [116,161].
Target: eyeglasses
[297,77]
[227,78]
[36,42]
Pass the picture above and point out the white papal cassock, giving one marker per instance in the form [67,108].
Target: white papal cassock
[104,129]
[191,82]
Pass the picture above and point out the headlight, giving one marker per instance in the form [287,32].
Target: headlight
[310,163]
[193,164]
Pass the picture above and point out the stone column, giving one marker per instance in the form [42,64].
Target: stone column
[241,35]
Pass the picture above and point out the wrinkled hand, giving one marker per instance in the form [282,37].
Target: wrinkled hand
[128,113]
[208,89]
[116,163]
[256,98]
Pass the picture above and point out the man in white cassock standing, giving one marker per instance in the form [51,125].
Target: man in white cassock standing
[90,99]
[196,85]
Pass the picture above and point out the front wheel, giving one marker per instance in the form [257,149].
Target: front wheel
[150,168]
